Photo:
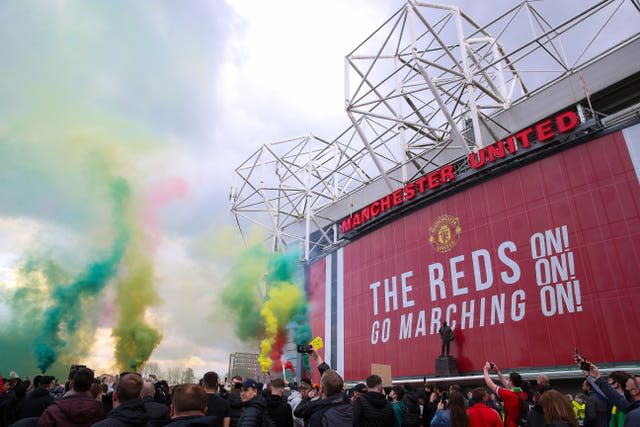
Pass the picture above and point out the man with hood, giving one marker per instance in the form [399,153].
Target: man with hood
[279,410]
[37,400]
[254,405]
[373,409]
[78,408]
[128,409]
[189,406]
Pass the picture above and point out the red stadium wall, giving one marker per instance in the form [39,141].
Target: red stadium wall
[526,267]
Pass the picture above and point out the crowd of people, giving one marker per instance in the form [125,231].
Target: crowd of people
[84,401]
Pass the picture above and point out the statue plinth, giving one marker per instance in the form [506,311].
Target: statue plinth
[446,366]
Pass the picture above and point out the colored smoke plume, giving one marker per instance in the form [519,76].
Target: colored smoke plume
[64,313]
[267,318]
[135,338]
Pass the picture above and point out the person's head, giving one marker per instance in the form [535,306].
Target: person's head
[96,391]
[236,381]
[277,386]
[128,387]
[556,407]
[188,400]
[397,393]
[148,389]
[45,382]
[458,409]
[82,380]
[633,389]
[331,383]
[305,386]
[542,379]
[210,381]
[358,389]
[618,380]
[249,390]
[515,380]
[586,387]
[374,383]
[479,395]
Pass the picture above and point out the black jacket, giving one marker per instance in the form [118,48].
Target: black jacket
[35,403]
[158,413]
[236,407]
[192,421]
[336,409]
[253,412]
[128,414]
[280,411]
[372,409]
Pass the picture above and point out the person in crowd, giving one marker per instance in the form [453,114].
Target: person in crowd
[627,403]
[128,409]
[535,417]
[424,418]
[15,392]
[458,409]
[333,408]
[235,402]
[38,399]
[254,405]
[398,406]
[513,392]
[557,409]
[372,408]
[595,411]
[358,390]
[96,391]
[189,407]
[216,405]
[442,415]
[78,408]
[279,410]
[578,406]
[481,415]
[158,413]
[296,397]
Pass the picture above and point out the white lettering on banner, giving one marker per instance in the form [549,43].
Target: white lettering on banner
[492,299]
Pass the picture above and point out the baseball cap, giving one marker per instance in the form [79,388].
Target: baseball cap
[249,383]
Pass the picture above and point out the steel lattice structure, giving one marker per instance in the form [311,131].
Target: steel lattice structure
[427,87]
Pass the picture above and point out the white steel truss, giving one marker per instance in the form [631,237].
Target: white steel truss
[423,89]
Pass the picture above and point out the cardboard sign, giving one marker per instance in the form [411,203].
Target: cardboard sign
[384,372]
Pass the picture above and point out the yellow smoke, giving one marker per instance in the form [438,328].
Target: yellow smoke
[283,299]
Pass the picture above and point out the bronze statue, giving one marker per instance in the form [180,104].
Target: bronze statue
[446,333]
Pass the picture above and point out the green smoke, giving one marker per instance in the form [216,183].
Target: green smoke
[64,314]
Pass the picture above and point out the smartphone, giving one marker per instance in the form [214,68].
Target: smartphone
[304,348]
[444,397]
[584,365]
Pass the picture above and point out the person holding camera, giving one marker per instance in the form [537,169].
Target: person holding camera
[513,393]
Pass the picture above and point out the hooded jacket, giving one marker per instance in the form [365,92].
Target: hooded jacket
[253,412]
[131,413]
[372,409]
[280,411]
[35,403]
[335,411]
[76,410]
[235,405]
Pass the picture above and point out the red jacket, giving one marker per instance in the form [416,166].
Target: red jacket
[480,415]
[77,410]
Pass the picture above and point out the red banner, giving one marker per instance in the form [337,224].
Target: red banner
[525,267]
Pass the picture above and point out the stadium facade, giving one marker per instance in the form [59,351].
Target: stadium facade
[489,178]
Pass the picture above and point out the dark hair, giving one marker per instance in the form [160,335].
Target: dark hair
[129,387]
[399,391]
[478,394]
[373,381]
[516,379]
[459,417]
[189,397]
[277,383]
[82,380]
[210,379]
[556,407]
[96,389]
[620,377]
[332,382]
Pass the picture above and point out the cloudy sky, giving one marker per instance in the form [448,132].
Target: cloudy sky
[172,96]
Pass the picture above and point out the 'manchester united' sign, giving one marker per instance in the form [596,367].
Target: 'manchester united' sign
[544,131]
